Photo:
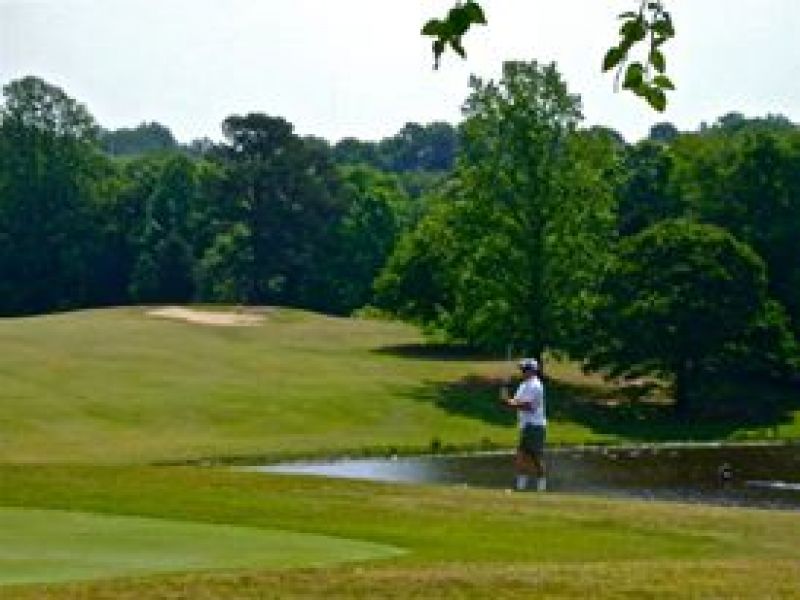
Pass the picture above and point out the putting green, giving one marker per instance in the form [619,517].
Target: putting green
[45,546]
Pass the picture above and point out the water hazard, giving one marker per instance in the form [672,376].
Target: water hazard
[765,476]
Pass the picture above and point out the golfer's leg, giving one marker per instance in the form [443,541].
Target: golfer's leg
[523,467]
[538,458]
[537,463]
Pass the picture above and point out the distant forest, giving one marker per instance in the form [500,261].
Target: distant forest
[519,226]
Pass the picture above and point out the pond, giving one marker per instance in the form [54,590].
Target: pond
[765,476]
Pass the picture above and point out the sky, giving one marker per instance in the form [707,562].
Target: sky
[359,68]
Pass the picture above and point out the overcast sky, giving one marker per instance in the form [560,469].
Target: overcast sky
[339,68]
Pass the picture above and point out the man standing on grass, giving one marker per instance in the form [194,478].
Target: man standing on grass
[529,404]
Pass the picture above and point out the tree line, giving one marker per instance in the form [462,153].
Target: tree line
[92,217]
[676,256]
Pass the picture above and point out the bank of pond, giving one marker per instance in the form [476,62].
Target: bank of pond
[756,475]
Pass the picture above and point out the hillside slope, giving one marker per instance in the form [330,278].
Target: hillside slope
[120,385]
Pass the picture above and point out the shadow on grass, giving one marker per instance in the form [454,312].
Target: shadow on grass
[443,352]
[634,412]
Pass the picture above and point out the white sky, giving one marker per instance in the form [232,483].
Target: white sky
[359,68]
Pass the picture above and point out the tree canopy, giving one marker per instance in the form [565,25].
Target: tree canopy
[680,299]
[48,168]
[676,256]
[144,138]
[514,244]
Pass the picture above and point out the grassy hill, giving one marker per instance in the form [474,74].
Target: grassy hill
[122,386]
[109,390]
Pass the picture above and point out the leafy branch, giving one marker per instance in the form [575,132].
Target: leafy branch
[450,30]
[651,27]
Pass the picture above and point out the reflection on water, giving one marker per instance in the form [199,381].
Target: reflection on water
[756,475]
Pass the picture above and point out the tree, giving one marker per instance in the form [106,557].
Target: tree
[418,147]
[418,281]
[612,135]
[734,123]
[580,237]
[352,151]
[646,196]
[512,249]
[650,26]
[286,193]
[49,175]
[125,216]
[680,301]
[164,267]
[525,183]
[144,138]
[414,148]
[749,184]
[227,270]
[163,271]
[33,104]
[664,132]
[374,211]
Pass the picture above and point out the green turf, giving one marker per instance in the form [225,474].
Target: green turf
[57,546]
[459,543]
[83,392]
[117,386]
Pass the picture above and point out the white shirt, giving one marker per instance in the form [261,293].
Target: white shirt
[531,390]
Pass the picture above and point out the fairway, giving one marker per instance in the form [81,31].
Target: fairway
[91,399]
[48,546]
[458,543]
[120,386]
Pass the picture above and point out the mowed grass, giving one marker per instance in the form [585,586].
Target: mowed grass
[119,386]
[87,399]
[459,543]
[55,546]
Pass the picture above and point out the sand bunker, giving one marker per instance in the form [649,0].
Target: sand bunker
[206,317]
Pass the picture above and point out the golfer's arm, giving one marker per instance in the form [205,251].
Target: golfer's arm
[522,404]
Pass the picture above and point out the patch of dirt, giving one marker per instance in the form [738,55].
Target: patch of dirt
[236,318]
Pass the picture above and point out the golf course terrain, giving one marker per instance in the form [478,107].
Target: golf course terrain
[117,427]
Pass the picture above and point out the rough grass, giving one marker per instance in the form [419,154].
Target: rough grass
[668,580]
[117,386]
[460,543]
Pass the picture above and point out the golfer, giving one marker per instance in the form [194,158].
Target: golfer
[529,404]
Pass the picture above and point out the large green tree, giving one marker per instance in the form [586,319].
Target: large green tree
[286,193]
[748,182]
[514,250]
[49,175]
[685,300]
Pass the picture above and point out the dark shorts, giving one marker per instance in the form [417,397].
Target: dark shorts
[531,440]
